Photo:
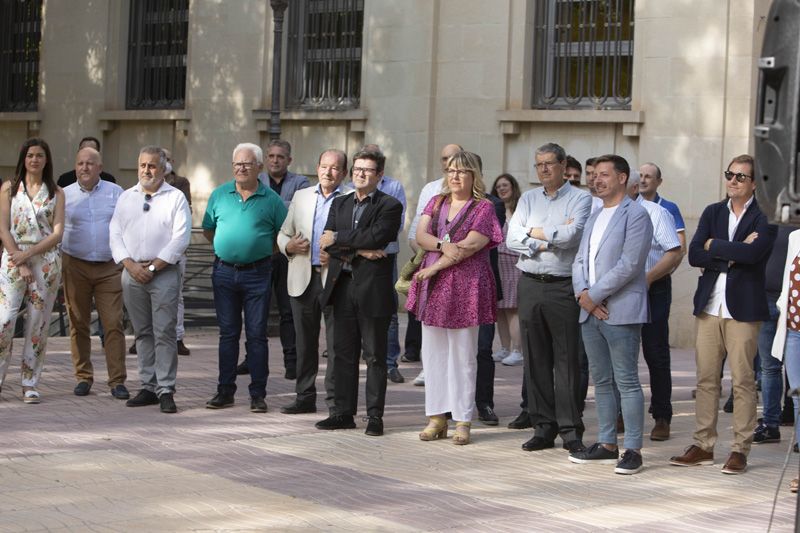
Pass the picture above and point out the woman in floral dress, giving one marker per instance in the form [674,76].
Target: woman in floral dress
[454,292]
[31,227]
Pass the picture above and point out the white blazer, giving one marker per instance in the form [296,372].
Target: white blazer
[300,220]
[779,343]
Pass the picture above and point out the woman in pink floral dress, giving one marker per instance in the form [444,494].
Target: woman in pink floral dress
[31,226]
[453,293]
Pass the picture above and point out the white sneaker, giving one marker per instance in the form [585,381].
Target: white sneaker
[500,354]
[419,381]
[513,359]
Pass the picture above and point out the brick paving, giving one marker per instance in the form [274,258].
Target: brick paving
[90,463]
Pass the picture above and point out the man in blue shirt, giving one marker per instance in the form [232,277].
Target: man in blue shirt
[649,183]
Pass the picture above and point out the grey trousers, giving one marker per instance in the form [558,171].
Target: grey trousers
[153,310]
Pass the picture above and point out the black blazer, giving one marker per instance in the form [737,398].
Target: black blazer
[745,264]
[378,226]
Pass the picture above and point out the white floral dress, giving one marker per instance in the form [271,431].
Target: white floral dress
[31,221]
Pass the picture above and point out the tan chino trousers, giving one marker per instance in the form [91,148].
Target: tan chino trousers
[717,337]
[82,281]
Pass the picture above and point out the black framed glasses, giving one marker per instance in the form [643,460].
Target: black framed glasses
[146,206]
[741,178]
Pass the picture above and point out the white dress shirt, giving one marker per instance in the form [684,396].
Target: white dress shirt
[163,231]
[87,219]
[430,190]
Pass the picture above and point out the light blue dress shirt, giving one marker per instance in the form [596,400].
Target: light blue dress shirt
[665,236]
[87,216]
[394,188]
[321,217]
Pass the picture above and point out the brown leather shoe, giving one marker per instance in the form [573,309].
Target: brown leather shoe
[660,430]
[182,349]
[736,464]
[693,456]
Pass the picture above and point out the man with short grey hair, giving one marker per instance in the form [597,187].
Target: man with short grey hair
[149,232]
[546,230]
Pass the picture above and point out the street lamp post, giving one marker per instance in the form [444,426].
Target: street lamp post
[278,11]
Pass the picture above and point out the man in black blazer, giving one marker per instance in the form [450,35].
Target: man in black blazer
[359,284]
[731,246]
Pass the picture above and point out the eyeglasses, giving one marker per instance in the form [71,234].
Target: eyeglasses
[146,206]
[741,178]
[244,165]
[362,170]
[460,172]
[546,165]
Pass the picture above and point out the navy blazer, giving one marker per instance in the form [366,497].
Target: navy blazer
[744,263]
[378,226]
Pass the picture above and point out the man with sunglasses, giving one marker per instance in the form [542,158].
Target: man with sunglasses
[731,246]
[149,232]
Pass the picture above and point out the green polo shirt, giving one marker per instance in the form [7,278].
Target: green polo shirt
[244,231]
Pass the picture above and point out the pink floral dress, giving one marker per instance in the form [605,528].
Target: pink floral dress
[463,295]
[31,221]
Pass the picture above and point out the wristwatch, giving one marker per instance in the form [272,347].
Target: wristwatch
[439,245]
[152,268]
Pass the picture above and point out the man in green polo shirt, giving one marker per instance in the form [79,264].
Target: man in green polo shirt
[242,220]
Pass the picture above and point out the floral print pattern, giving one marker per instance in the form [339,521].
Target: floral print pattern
[31,221]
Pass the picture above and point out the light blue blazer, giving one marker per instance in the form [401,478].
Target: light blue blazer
[621,282]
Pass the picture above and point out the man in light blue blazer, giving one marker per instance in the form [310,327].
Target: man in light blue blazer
[610,284]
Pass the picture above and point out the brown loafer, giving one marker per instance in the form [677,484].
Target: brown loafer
[736,464]
[660,430]
[693,456]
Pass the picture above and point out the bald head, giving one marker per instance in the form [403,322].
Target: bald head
[88,165]
[447,152]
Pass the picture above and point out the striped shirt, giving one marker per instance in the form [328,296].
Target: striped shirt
[665,236]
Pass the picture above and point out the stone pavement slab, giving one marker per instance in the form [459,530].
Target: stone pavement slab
[90,463]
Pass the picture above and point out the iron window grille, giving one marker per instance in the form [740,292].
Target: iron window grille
[157,46]
[324,41]
[20,39]
[583,55]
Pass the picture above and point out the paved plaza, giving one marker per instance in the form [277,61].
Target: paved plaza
[92,464]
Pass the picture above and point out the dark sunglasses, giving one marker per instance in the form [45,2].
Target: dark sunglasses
[146,206]
[741,178]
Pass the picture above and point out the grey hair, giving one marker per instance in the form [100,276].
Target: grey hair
[280,143]
[552,148]
[658,170]
[156,150]
[256,149]
[634,179]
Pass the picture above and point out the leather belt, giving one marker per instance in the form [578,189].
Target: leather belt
[245,266]
[546,278]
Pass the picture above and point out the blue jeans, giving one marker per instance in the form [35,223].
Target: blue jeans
[771,368]
[791,360]
[393,345]
[613,353]
[237,290]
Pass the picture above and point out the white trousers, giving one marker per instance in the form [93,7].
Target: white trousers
[449,357]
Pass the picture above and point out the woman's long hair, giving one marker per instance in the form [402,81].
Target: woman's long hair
[47,172]
[515,190]
[464,160]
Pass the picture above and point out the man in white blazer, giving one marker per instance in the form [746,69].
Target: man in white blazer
[609,280]
[298,240]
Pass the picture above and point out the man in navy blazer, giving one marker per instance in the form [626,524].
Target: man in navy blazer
[359,284]
[731,246]
[609,280]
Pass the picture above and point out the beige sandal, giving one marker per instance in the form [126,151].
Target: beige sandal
[436,428]
[794,484]
[462,433]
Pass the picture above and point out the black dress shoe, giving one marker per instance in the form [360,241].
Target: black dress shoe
[82,388]
[242,369]
[336,422]
[409,358]
[728,407]
[182,349]
[296,408]
[574,446]
[487,415]
[258,405]
[291,373]
[142,398]
[523,421]
[132,349]
[220,401]
[374,426]
[167,403]
[538,443]
[395,376]
[120,392]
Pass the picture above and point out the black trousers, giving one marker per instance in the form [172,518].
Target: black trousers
[280,270]
[548,316]
[655,347]
[413,340]
[353,331]
[484,381]
[306,312]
